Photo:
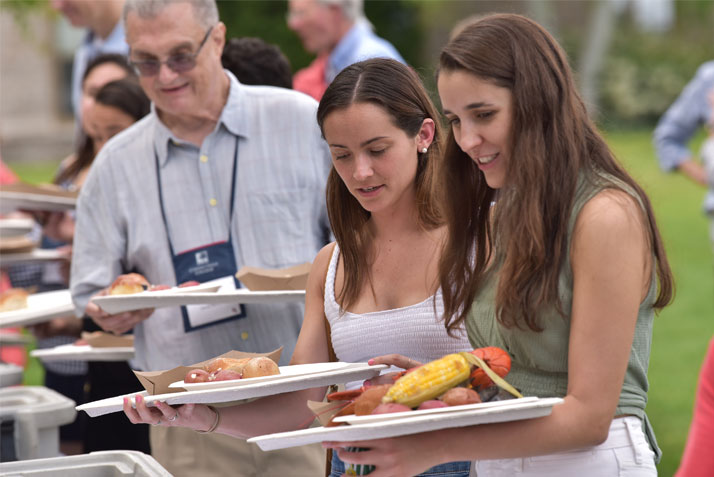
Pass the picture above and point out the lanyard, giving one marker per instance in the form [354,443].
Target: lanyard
[161,199]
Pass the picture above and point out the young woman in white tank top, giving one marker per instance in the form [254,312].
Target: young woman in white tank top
[377,292]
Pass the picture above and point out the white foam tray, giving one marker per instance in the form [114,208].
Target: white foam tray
[37,255]
[13,200]
[94,464]
[15,227]
[14,339]
[516,409]
[169,298]
[352,372]
[73,352]
[41,307]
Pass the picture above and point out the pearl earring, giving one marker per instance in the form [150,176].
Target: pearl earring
[423,150]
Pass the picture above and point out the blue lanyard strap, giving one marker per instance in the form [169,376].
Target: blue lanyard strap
[161,198]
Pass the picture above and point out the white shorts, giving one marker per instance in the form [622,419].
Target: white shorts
[625,453]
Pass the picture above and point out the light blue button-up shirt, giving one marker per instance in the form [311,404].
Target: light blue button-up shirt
[688,113]
[279,216]
[360,43]
[91,47]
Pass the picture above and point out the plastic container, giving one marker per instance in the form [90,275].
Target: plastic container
[10,375]
[96,464]
[32,415]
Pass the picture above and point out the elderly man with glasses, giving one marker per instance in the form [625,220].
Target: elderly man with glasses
[219,175]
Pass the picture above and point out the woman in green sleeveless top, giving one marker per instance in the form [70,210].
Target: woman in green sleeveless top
[553,254]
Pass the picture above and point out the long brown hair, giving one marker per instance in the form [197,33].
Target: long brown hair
[399,91]
[84,154]
[553,143]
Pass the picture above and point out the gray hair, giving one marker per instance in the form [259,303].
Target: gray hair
[206,11]
[352,9]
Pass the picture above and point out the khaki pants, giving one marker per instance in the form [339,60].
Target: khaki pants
[184,452]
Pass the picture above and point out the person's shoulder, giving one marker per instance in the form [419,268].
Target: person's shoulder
[273,95]
[372,45]
[127,143]
[611,210]
[706,71]
[323,257]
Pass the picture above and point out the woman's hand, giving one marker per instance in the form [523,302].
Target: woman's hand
[391,360]
[393,457]
[198,417]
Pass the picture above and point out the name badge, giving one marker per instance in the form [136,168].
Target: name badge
[201,315]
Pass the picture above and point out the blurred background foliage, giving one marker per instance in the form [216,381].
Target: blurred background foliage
[394,19]
[642,72]
[645,72]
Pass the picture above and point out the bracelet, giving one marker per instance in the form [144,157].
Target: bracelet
[215,423]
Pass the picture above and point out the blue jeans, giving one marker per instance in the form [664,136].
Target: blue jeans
[450,469]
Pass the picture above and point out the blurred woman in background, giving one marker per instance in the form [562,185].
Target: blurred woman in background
[111,101]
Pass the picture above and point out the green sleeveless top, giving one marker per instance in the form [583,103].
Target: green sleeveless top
[540,359]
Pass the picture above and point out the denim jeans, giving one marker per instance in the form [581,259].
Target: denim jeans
[450,469]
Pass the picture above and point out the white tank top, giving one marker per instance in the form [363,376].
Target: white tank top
[415,331]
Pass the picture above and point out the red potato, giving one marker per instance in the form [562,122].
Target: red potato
[196,376]
[390,407]
[218,364]
[227,375]
[460,396]
[370,399]
[432,404]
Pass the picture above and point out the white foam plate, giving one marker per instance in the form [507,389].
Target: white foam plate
[37,255]
[138,301]
[516,409]
[15,227]
[285,371]
[184,296]
[350,372]
[14,200]
[41,307]
[14,339]
[71,352]
[353,419]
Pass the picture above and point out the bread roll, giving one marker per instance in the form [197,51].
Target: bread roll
[260,366]
[128,284]
[219,364]
[13,299]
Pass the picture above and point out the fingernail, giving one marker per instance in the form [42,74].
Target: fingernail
[139,398]
[126,400]
[371,361]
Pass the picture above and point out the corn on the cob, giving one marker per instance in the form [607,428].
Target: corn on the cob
[429,381]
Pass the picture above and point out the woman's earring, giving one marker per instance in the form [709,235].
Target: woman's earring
[423,150]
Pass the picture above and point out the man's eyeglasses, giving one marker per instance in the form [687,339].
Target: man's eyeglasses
[179,63]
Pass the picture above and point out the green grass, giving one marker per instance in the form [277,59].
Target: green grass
[681,331]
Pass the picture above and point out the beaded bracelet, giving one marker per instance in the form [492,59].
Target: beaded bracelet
[215,423]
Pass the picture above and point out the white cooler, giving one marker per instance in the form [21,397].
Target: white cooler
[10,375]
[30,417]
[96,464]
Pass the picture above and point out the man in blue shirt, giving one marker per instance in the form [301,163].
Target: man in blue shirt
[692,110]
[339,34]
[218,176]
[105,34]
